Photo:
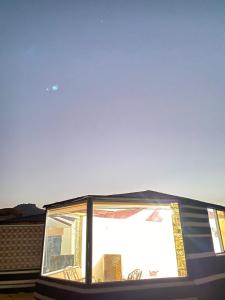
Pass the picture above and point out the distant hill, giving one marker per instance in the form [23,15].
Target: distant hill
[29,209]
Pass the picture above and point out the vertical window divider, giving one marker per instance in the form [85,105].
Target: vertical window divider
[88,276]
[44,243]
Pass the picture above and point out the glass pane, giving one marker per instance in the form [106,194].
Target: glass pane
[65,243]
[221,219]
[132,242]
[215,230]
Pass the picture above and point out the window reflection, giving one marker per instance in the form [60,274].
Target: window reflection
[65,243]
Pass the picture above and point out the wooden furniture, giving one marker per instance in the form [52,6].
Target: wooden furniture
[108,268]
[73,273]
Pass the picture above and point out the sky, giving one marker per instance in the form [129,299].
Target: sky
[103,97]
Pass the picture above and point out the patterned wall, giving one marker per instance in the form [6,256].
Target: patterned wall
[178,239]
[21,246]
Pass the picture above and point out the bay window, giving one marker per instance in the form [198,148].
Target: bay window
[121,241]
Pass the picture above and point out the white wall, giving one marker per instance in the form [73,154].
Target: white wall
[142,244]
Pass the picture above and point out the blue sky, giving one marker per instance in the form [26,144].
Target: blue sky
[101,97]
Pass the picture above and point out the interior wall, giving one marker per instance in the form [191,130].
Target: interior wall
[142,244]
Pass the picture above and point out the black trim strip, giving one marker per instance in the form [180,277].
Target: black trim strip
[196,219]
[198,245]
[196,230]
[18,290]
[193,210]
[22,276]
[89,242]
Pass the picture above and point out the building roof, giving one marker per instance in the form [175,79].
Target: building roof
[32,219]
[144,196]
[9,213]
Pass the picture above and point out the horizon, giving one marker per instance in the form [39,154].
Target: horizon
[110,98]
[106,195]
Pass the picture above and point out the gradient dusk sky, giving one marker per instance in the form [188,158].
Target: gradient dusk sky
[101,97]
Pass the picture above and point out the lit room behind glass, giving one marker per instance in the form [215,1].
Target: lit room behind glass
[133,242]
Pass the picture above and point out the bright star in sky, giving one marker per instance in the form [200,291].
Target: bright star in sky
[52,88]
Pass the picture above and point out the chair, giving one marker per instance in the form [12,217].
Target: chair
[74,273]
[135,275]
[153,273]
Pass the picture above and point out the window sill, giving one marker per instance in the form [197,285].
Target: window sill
[220,254]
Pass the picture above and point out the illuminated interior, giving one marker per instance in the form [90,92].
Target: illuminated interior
[129,242]
[133,242]
[217,225]
[65,243]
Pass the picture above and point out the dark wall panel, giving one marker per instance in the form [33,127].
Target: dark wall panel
[198,245]
[145,294]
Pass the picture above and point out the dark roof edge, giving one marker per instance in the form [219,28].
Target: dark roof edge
[61,203]
[136,196]
[31,219]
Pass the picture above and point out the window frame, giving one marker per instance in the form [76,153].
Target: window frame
[89,242]
[63,206]
[136,201]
